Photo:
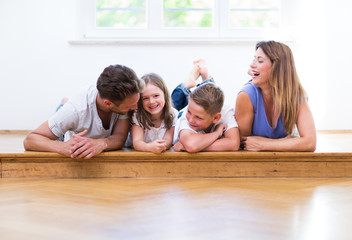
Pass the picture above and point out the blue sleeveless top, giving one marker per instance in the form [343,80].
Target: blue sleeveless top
[260,126]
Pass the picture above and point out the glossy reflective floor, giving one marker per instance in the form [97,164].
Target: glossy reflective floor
[185,208]
[176,209]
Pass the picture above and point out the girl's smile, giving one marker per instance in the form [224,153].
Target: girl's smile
[153,100]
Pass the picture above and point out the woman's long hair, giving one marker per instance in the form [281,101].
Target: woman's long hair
[144,118]
[287,90]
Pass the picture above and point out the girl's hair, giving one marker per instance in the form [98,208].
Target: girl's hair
[144,118]
[286,88]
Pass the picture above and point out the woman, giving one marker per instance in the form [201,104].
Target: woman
[274,103]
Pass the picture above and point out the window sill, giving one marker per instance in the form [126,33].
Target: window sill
[169,41]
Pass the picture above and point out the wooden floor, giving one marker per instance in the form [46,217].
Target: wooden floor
[242,208]
[178,208]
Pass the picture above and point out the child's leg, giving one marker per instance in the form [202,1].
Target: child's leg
[203,69]
[179,95]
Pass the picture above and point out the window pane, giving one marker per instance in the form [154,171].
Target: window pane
[121,13]
[188,3]
[191,13]
[120,3]
[254,13]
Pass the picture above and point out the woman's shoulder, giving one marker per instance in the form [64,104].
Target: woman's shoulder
[249,88]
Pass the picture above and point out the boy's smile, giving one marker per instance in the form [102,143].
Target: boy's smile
[198,118]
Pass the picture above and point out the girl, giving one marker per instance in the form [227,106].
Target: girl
[153,123]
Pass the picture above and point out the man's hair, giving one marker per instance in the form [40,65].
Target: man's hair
[210,97]
[117,82]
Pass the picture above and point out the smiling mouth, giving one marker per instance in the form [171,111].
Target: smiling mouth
[153,107]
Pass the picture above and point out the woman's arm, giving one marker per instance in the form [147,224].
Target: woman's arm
[244,114]
[305,143]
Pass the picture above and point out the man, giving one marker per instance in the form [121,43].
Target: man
[95,120]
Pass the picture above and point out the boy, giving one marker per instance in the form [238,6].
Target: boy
[206,125]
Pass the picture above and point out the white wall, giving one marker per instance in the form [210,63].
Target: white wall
[38,66]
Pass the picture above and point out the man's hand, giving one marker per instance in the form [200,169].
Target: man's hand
[83,147]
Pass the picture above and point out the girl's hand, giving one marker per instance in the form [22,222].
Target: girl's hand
[157,146]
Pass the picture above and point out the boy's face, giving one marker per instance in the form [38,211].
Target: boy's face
[198,118]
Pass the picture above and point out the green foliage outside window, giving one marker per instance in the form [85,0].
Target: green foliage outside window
[187,13]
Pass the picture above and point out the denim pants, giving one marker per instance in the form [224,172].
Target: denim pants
[179,95]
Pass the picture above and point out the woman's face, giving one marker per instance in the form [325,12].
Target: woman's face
[260,68]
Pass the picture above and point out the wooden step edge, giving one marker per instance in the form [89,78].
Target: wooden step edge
[131,155]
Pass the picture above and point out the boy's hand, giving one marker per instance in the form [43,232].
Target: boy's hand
[178,147]
[220,128]
[157,146]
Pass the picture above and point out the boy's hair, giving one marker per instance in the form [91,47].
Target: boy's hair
[210,97]
[143,117]
[117,82]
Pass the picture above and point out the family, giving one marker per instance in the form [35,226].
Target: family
[271,112]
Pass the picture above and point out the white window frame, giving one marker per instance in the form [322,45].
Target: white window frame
[220,30]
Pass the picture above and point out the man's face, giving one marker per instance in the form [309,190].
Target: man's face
[129,103]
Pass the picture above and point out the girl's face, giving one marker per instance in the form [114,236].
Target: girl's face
[153,99]
[260,67]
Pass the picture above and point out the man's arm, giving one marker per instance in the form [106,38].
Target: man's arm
[87,147]
[43,139]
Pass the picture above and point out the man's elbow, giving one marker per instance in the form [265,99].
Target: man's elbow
[27,142]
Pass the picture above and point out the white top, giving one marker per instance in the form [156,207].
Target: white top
[80,113]
[227,118]
[155,133]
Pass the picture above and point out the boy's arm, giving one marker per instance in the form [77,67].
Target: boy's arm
[230,142]
[195,142]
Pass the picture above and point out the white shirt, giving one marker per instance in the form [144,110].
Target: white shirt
[155,133]
[80,113]
[227,118]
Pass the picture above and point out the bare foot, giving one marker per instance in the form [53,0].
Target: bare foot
[193,76]
[203,69]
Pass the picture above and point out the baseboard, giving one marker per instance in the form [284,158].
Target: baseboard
[15,132]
